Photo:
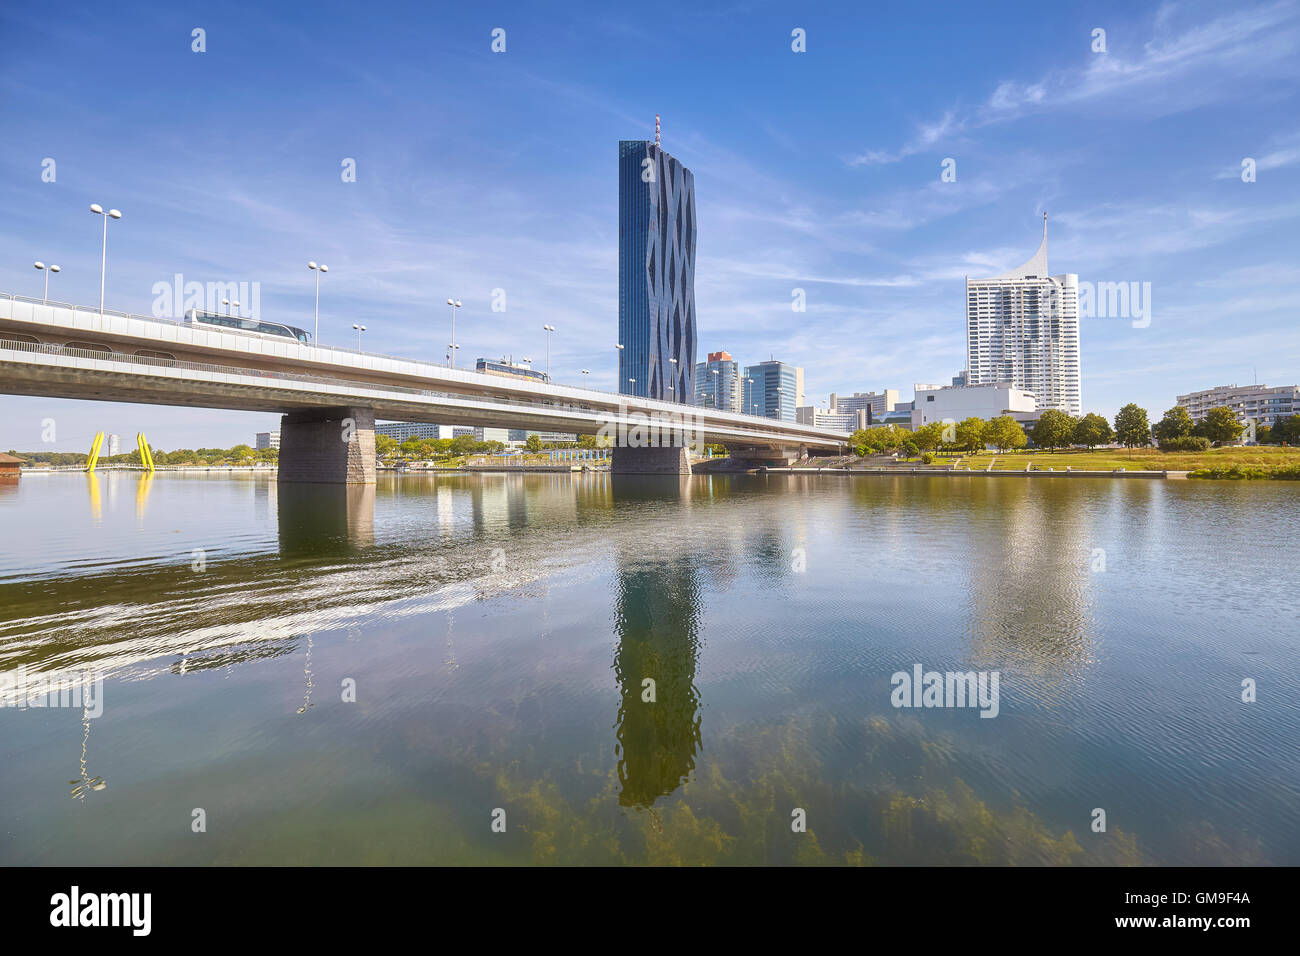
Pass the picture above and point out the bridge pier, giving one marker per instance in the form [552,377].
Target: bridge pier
[328,446]
[664,460]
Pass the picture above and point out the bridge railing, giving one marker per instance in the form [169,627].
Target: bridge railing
[157,362]
[676,407]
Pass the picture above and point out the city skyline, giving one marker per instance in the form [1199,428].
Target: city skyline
[511,189]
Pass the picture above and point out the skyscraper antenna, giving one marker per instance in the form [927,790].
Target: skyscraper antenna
[1044,225]
[657,142]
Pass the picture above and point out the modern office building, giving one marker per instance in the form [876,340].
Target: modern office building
[656,273]
[941,403]
[265,440]
[1022,327]
[717,382]
[772,389]
[1259,402]
[401,431]
[829,418]
[114,445]
[879,403]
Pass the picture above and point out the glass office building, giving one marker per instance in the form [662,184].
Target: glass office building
[717,383]
[773,390]
[656,273]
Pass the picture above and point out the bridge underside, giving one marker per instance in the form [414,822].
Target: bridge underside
[327,431]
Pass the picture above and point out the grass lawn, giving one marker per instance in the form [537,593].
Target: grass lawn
[1138,459]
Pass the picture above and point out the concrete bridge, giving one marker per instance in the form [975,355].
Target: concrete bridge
[331,397]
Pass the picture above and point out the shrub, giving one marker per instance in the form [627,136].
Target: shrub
[927,458]
[1185,443]
[1237,473]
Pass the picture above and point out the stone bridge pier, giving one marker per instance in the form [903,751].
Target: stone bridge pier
[328,446]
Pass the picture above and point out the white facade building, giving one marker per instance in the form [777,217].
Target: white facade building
[953,403]
[1259,402]
[881,403]
[264,440]
[830,418]
[1022,327]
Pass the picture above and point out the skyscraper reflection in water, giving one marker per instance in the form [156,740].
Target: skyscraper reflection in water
[657,621]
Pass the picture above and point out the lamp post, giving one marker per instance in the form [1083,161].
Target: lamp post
[455,304]
[548,329]
[619,349]
[318,269]
[672,385]
[47,270]
[226,303]
[716,382]
[98,210]
[360,329]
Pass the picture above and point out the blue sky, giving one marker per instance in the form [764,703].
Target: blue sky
[817,170]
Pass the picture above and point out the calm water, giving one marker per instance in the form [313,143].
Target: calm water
[498,630]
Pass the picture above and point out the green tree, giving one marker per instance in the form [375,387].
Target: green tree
[1177,423]
[587,441]
[1131,427]
[385,445]
[1092,430]
[534,443]
[972,434]
[1286,431]
[928,437]
[1054,429]
[1220,424]
[463,445]
[1264,435]
[1006,434]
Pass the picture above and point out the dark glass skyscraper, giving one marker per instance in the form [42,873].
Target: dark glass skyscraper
[656,273]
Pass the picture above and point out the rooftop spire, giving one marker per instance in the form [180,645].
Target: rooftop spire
[657,143]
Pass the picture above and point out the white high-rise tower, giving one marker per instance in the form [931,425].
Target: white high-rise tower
[1022,328]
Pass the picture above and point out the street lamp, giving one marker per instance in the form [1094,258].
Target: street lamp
[360,329]
[318,269]
[98,210]
[716,382]
[47,270]
[455,304]
[548,329]
[672,386]
[226,303]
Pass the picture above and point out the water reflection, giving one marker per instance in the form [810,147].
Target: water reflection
[657,613]
[319,520]
[1030,586]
